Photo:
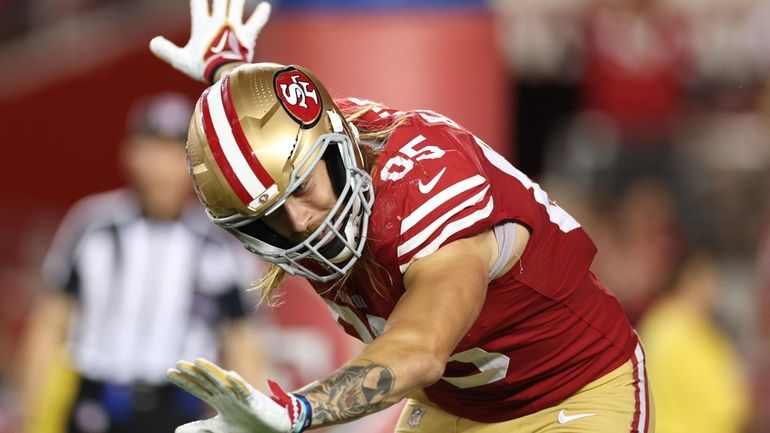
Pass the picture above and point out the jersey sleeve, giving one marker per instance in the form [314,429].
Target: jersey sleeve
[434,187]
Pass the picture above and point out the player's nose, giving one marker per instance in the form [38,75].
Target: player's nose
[300,217]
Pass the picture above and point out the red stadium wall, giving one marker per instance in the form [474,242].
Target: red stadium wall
[61,140]
[446,61]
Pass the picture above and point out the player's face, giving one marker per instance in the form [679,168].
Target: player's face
[306,208]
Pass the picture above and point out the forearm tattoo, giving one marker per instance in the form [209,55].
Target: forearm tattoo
[350,393]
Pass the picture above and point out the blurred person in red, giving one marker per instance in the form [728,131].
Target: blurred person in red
[639,254]
[635,65]
[695,369]
[471,289]
[137,278]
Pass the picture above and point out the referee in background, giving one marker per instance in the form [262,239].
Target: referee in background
[139,278]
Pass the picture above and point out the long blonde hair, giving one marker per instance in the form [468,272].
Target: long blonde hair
[371,140]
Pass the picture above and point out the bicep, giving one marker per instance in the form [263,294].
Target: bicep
[445,291]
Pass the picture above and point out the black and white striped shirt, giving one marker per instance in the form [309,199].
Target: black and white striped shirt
[148,292]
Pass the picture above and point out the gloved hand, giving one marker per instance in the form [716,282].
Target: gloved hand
[240,407]
[215,39]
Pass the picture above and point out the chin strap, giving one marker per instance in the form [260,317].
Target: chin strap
[300,412]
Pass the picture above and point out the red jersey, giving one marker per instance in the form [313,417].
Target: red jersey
[547,327]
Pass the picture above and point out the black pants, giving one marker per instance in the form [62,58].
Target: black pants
[107,408]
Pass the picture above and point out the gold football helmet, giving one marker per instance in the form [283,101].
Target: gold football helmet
[254,137]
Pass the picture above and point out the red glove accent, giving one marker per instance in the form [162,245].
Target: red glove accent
[225,48]
[279,395]
[292,404]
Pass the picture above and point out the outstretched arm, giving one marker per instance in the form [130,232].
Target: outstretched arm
[445,293]
[220,40]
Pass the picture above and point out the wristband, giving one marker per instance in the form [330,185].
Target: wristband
[297,407]
[305,414]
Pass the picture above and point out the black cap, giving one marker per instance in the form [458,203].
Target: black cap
[165,115]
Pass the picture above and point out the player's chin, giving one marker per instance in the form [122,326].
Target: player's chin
[338,252]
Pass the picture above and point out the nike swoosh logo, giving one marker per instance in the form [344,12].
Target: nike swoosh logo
[216,49]
[426,188]
[563,418]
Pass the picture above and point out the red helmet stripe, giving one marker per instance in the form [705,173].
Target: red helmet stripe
[218,153]
[240,137]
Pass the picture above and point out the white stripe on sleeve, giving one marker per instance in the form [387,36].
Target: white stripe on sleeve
[428,231]
[439,199]
[449,230]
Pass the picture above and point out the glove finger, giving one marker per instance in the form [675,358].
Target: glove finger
[199,13]
[216,376]
[258,18]
[186,383]
[194,374]
[235,13]
[219,9]
[164,49]
[199,8]
[241,388]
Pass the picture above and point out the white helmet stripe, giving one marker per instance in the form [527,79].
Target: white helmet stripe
[229,148]
[240,137]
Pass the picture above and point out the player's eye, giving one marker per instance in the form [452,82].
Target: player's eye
[301,188]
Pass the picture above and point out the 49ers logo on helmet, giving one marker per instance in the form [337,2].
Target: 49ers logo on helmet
[299,96]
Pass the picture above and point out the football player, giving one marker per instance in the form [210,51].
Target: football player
[470,287]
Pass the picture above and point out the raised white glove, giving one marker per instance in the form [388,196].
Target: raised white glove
[240,407]
[215,39]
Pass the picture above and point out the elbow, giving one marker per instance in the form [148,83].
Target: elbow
[418,360]
[430,368]
[435,372]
